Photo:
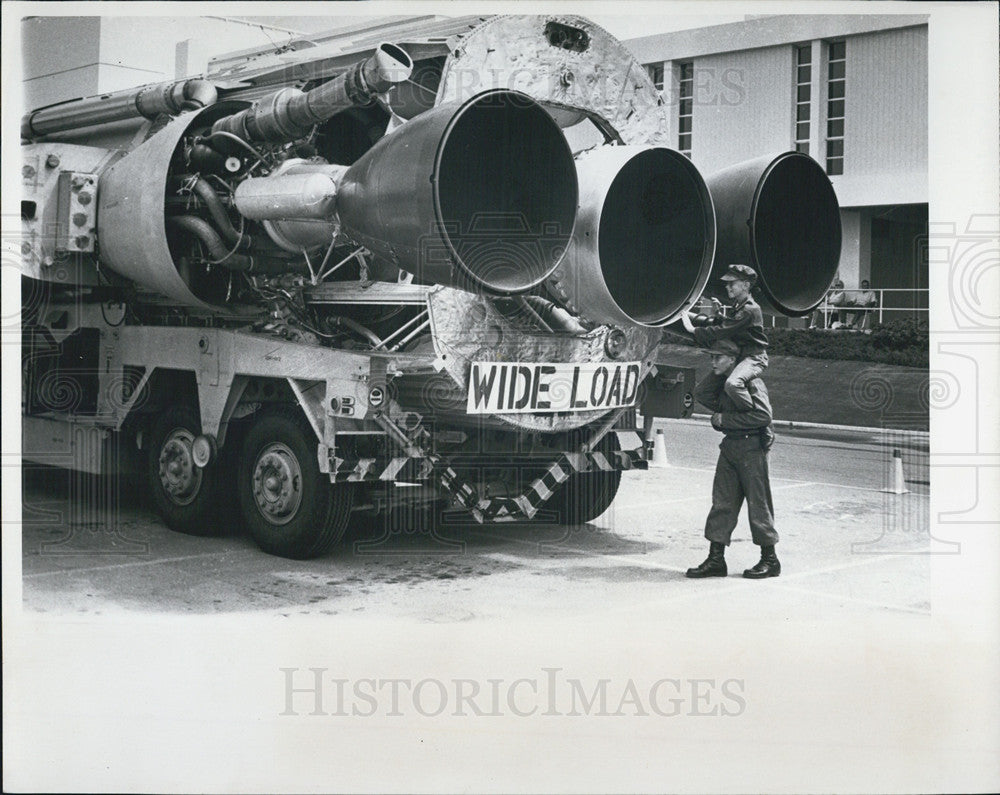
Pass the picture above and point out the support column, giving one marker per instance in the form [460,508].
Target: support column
[851,248]
[864,245]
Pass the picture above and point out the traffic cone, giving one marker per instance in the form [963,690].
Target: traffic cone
[898,481]
[659,458]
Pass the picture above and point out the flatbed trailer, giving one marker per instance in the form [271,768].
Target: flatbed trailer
[291,289]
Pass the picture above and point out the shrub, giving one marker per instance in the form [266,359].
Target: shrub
[901,342]
[899,335]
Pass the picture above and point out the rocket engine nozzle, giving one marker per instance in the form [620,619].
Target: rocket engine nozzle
[779,214]
[644,239]
[479,195]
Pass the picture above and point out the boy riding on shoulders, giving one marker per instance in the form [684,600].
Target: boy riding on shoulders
[743,324]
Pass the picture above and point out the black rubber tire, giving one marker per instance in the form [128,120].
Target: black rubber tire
[586,495]
[196,508]
[321,510]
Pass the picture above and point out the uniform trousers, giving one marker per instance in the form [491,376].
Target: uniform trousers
[741,474]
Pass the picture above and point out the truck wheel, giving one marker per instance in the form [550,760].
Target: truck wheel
[290,508]
[587,495]
[187,497]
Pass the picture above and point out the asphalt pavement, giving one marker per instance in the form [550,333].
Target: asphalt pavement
[847,548]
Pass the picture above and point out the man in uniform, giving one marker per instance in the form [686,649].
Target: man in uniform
[741,472]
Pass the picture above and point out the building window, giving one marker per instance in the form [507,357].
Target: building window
[685,108]
[803,94]
[837,69]
[655,71]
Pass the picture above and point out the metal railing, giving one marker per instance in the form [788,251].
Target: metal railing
[890,302]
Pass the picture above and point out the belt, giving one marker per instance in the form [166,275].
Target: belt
[747,435]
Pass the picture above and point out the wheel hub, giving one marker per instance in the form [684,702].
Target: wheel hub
[277,484]
[179,477]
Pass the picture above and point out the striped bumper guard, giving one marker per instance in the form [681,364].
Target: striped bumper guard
[497,509]
[525,506]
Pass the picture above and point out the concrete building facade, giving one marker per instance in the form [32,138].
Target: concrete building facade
[850,91]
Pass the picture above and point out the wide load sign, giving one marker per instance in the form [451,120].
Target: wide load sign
[521,387]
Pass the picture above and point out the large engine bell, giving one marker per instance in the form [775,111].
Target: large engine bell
[779,215]
[480,195]
[644,239]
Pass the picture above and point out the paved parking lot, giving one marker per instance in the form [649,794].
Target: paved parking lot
[846,548]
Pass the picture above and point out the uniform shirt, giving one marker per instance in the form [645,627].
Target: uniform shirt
[745,327]
[711,393]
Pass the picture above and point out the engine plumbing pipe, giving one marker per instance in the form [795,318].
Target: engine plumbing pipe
[290,113]
[554,315]
[148,102]
[208,195]
[204,231]
[357,328]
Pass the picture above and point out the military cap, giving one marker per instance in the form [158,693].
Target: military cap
[725,348]
[743,273]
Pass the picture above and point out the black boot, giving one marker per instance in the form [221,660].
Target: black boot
[768,566]
[714,565]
